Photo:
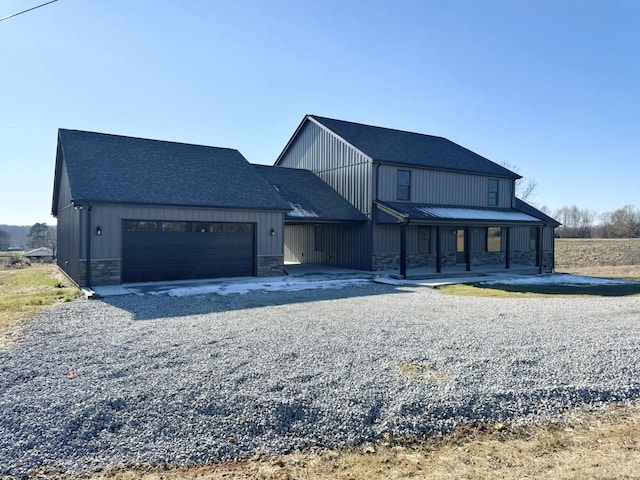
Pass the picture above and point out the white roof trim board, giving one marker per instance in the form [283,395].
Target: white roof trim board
[476,214]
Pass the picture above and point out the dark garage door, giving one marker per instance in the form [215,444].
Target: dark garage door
[156,250]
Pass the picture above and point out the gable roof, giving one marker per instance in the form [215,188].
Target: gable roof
[104,168]
[412,149]
[309,197]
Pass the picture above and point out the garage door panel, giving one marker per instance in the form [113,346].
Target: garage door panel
[155,256]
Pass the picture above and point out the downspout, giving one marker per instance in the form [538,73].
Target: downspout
[378,165]
[88,265]
[374,210]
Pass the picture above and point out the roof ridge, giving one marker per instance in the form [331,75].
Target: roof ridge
[130,137]
[320,118]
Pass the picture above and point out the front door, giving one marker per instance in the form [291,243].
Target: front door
[460,247]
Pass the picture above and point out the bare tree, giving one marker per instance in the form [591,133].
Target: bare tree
[621,223]
[525,188]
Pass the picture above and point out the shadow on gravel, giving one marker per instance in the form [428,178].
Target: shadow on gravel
[157,307]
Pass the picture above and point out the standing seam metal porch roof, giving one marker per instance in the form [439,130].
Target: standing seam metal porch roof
[105,168]
[413,149]
[439,213]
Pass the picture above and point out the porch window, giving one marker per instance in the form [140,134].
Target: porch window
[493,192]
[424,239]
[533,238]
[494,239]
[404,185]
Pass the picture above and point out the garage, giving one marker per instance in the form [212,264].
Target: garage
[179,250]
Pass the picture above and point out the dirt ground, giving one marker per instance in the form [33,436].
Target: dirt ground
[623,254]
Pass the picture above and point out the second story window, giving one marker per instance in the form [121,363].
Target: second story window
[493,192]
[404,185]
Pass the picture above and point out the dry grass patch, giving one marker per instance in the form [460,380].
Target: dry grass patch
[23,292]
[590,445]
[422,371]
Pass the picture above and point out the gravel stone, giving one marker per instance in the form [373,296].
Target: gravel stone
[201,379]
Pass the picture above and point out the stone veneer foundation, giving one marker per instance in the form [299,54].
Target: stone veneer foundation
[103,272]
[269,265]
[391,261]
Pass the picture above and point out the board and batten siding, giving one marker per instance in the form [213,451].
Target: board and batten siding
[343,245]
[110,217]
[344,168]
[69,231]
[444,188]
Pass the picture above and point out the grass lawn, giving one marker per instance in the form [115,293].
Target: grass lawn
[542,290]
[24,291]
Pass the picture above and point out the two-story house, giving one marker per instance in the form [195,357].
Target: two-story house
[430,203]
[135,210]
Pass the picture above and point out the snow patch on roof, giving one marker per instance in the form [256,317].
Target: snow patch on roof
[299,212]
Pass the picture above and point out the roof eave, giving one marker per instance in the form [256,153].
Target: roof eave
[78,202]
[515,176]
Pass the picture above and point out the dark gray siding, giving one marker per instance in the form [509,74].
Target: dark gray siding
[344,168]
[343,245]
[69,234]
[443,188]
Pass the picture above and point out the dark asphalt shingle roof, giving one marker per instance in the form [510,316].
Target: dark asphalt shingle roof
[310,198]
[414,149]
[105,168]
[534,212]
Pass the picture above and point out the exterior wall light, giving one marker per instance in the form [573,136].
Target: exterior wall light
[98,230]
[272,232]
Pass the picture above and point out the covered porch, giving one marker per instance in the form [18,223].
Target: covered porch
[435,241]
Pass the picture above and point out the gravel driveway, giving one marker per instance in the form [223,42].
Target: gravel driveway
[205,378]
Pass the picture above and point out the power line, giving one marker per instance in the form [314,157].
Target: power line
[25,11]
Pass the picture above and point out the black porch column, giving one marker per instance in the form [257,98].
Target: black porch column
[403,250]
[507,248]
[467,247]
[438,251]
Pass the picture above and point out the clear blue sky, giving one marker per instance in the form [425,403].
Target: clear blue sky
[550,86]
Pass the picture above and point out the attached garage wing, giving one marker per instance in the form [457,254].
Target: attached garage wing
[161,250]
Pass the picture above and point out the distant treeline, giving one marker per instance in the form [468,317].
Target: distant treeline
[583,223]
[14,235]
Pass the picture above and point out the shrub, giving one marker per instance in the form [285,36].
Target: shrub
[18,262]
